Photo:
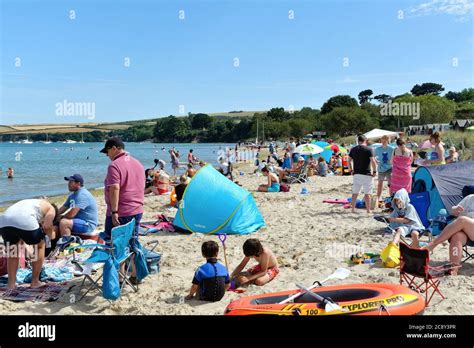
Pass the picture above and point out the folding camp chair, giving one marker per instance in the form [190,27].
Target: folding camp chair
[300,177]
[421,202]
[418,274]
[118,247]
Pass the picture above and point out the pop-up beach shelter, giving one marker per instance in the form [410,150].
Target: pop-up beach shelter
[444,184]
[213,204]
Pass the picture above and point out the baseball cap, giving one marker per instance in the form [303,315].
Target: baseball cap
[115,141]
[76,177]
[301,159]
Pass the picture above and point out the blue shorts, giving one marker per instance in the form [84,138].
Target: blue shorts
[123,220]
[81,226]
[274,188]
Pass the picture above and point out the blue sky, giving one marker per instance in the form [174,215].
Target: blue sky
[282,62]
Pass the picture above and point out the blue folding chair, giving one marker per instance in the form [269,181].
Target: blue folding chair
[421,202]
[118,247]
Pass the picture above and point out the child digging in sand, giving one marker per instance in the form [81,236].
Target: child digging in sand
[211,279]
[261,274]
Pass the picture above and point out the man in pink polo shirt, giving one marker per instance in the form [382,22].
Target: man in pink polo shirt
[124,188]
[124,185]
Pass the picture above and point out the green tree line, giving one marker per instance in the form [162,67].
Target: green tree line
[340,115]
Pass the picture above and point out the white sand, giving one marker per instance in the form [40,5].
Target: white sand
[307,236]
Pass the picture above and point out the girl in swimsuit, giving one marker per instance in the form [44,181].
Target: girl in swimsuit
[273,182]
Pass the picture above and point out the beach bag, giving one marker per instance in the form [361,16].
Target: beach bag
[284,188]
[390,256]
[111,283]
[139,259]
[153,261]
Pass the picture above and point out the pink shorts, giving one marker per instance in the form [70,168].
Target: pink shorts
[272,272]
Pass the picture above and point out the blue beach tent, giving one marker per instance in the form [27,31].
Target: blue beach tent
[213,204]
[444,184]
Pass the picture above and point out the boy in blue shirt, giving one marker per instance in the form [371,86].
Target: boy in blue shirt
[211,280]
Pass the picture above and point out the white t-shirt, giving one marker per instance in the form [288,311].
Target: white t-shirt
[292,148]
[224,167]
[468,204]
[24,215]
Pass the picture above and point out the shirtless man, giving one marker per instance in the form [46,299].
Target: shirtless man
[262,273]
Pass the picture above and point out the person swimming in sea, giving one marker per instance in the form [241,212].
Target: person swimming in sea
[10,173]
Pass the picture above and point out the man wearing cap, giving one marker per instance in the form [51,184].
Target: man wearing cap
[124,183]
[82,215]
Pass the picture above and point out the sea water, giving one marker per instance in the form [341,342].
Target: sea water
[40,168]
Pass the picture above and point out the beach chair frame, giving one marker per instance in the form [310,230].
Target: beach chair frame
[300,177]
[418,275]
[466,254]
[117,235]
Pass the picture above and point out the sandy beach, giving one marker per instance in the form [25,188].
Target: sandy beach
[310,239]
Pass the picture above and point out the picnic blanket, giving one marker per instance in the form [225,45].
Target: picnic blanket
[46,293]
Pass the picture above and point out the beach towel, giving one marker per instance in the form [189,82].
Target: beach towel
[401,174]
[48,273]
[45,293]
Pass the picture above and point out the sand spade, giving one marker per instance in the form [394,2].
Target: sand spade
[340,273]
[222,238]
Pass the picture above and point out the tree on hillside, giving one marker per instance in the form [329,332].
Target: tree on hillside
[338,101]
[307,113]
[171,129]
[365,96]
[427,88]
[432,109]
[201,121]
[464,110]
[278,114]
[383,98]
[467,94]
[344,121]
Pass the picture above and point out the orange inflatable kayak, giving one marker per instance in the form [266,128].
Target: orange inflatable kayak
[354,299]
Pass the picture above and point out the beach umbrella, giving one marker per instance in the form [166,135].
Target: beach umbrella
[309,149]
[322,144]
[327,153]
[343,149]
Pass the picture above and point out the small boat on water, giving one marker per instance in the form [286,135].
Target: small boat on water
[26,141]
[67,141]
[352,299]
[47,140]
